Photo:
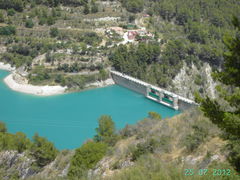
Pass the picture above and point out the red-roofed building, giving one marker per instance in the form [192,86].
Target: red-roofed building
[132,34]
[146,15]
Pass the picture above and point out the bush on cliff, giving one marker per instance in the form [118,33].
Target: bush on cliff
[43,150]
[86,157]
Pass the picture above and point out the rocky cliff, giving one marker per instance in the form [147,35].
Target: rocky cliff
[192,79]
[14,165]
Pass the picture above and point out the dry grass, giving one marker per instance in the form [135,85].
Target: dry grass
[175,131]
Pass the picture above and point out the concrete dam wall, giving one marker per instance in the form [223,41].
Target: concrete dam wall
[173,100]
[127,83]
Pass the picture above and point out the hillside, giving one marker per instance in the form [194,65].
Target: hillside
[179,45]
[74,44]
[152,148]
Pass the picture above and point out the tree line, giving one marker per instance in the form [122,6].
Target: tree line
[19,5]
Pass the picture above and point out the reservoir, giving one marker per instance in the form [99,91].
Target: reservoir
[70,119]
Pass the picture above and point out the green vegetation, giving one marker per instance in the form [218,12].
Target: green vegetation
[106,131]
[90,38]
[7,30]
[17,141]
[188,32]
[1,17]
[38,75]
[86,9]
[94,7]
[11,12]
[154,115]
[144,148]
[40,148]
[54,32]
[227,115]
[85,158]
[67,39]
[147,167]
[134,60]
[3,127]
[133,6]
[192,141]
[43,150]
[19,5]
[29,23]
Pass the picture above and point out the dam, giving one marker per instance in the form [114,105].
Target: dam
[152,92]
[70,119]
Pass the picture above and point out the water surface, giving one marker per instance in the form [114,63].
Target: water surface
[70,119]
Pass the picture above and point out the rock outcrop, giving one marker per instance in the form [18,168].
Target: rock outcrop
[193,79]
[14,164]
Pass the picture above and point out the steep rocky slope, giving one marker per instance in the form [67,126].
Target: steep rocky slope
[192,79]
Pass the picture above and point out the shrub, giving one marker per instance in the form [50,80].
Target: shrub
[154,115]
[192,141]
[86,9]
[90,38]
[106,130]
[94,8]
[21,142]
[86,157]
[54,32]
[1,17]
[50,20]
[11,12]
[29,23]
[133,5]
[131,18]
[7,30]
[234,152]
[165,143]
[17,141]
[103,74]
[149,167]
[3,127]
[43,150]
[18,5]
[128,131]
[141,149]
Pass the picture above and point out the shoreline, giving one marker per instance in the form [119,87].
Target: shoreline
[24,87]
[20,84]
[99,84]
[6,67]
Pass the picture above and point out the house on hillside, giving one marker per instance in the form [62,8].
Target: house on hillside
[146,15]
[118,30]
[132,34]
[140,33]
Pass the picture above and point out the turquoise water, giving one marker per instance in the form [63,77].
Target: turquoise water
[70,119]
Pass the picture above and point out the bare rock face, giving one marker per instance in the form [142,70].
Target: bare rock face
[15,164]
[20,79]
[193,79]
[58,168]
[20,166]
[109,166]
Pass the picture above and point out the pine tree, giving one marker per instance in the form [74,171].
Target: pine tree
[227,117]
[1,17]
[86,9]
